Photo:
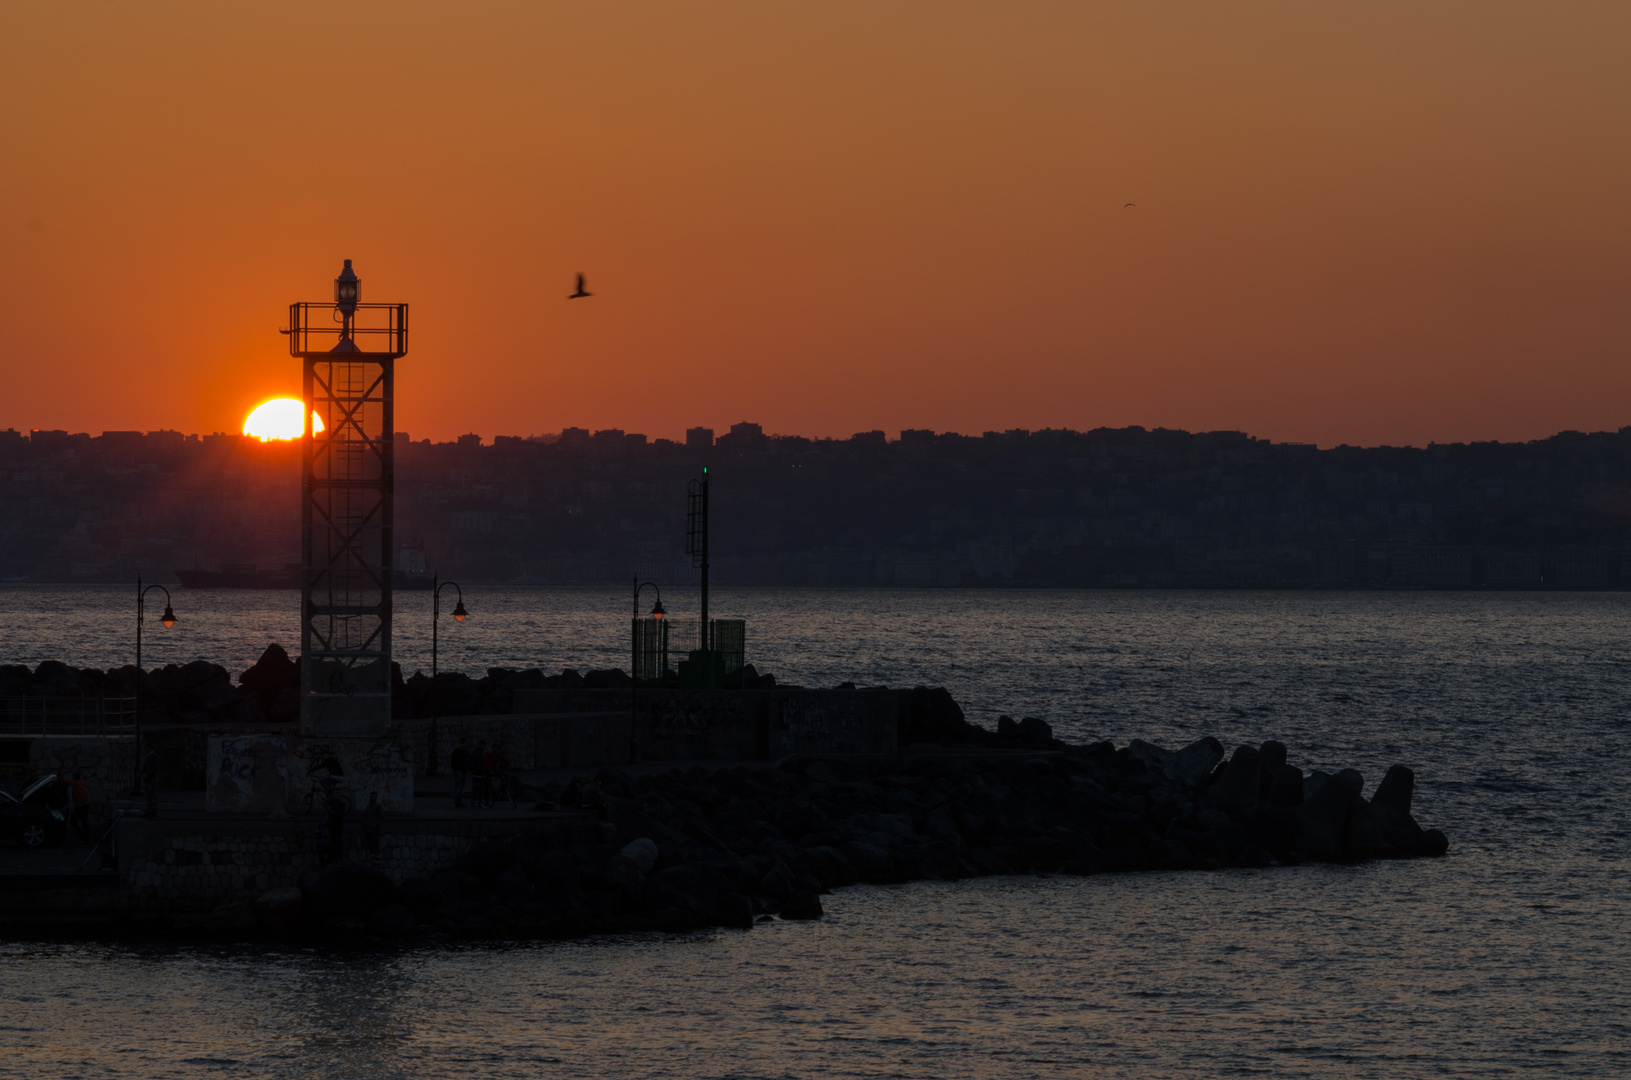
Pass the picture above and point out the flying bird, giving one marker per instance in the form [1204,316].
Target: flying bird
[582,292]
[1126,205]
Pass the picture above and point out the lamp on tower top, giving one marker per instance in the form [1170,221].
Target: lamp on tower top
[347,289]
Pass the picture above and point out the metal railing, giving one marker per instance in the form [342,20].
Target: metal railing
[39,716]
[375,328]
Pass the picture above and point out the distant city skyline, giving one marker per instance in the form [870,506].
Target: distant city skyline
[693,435]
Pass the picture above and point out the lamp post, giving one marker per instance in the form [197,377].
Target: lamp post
[657,611]
[696,545]
[459,615]
[635,645]
[168,619]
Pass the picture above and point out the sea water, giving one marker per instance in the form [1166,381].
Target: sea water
[1510,956]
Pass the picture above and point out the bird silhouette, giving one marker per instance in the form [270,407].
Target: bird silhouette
[1126,205]
[582,292]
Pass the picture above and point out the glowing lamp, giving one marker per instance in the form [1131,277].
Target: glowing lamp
[459,614]
[347,289]
[657,611]
[169,619]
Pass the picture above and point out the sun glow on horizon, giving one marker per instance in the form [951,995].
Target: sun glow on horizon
[278,419]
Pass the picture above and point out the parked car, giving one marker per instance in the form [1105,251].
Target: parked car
[37,818]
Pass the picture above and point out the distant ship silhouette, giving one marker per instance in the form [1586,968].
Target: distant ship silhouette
[581,290]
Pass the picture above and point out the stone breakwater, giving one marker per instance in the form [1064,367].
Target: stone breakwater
[727,847]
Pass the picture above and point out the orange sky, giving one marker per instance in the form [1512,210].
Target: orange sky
[1378,222]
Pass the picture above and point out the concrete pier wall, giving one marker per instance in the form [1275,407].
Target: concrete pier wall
[198,863]
[553,729]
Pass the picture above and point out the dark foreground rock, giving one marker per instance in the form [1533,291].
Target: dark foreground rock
[727,847]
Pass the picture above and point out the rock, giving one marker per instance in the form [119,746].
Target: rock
[1173,853]
[942,822]
[1035,733]
[872,863]
[1350,779]
[831,866]
[933,716]
[1322,817]
[1285,787]
[1433,843]
[420,897]
[272,673]
[392,919]
[735,911]
[778,883]
[1155,758]
[1362,835]
[820,772]
[689,887]
[285,706]
[1195,762]
[512,886]
[642,853]
[802,905]
[345,890]
[277,909]
[487,861]
[229,918]
[1271,755]
[1393,794]
[1238,787]
[623,873]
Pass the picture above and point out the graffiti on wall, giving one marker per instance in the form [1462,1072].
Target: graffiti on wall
[246,774]
[276,775]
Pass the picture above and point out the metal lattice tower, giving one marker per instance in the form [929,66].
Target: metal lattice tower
[349,351]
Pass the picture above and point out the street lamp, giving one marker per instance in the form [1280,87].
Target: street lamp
[168,619]
[459,615]
[657,611]
[635,646]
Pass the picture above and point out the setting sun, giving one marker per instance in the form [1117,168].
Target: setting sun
[278,419]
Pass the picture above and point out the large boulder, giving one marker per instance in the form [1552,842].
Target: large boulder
[271,674]
[689,887]
[1322,817]
[642,853]
[1188,767]
[831,866]
[1362,834]
[873,864]
[1154,758]
[802,905]
[1285,787]
[390,920]
[344,889]
[278,909]
[623,875]
[1195,762]
[1238,788]
[932,715]
[1392,796]
[231,918]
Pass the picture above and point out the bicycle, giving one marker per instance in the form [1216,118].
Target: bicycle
[501,786]
[331,790]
